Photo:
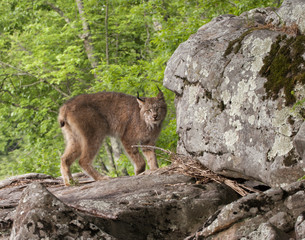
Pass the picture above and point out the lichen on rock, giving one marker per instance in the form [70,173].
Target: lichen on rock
[236,83]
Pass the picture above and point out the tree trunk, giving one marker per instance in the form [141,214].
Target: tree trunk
[114,149]
[109,151]
[86,36]
[117,40]
[106,33]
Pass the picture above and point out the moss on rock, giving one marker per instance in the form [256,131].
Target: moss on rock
[284,67]
[236,44]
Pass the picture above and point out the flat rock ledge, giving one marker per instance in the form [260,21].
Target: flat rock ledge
[141,207]
[155,206]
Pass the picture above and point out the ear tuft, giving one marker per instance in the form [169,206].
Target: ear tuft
[140,99]
[160,94]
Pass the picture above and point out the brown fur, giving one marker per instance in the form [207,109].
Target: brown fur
[87,119]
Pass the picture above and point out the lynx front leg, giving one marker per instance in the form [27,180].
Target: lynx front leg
[135,157]
[151,158]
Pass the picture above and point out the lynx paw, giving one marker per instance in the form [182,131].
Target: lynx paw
[101,178]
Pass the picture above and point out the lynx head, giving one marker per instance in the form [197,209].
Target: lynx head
[153,110]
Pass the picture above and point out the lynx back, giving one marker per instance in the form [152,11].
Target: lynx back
[87,119]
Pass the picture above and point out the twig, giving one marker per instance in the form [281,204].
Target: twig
[191,167]
[152,147]
[59,11]
[10,66]
[32,84]
[58,90]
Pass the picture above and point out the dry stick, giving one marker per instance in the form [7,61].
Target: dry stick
[192,170]
[239,188]
[153,147]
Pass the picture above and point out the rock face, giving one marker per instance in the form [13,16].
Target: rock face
[235,87]
[271,215]
[141,207]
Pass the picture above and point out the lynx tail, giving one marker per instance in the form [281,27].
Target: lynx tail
[62,116]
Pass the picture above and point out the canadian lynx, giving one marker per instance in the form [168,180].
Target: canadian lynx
[87,119]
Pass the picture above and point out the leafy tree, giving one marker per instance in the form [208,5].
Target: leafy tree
[52,50]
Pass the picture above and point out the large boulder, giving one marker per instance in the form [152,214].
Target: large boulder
[167,206]
[10,193]
[40,215]
[239,84]
[148,207]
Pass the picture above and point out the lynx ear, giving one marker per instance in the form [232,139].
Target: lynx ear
[140,101]
[160,94]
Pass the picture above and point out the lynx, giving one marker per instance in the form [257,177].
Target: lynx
[87,119]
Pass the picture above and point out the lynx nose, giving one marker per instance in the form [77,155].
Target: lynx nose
[154,116]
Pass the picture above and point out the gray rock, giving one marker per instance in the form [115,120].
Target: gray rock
[291,11]
[141,207]
[295,202]
[282,221]
[26,177]
[300,227]
[294,187]
[299,141]
[224,116]
[40,215]
[267,231]
[273,214]
[148,207]
[10,193]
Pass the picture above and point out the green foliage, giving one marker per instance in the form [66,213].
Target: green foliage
[44,61]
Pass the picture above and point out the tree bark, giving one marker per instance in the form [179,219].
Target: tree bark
[106,33]
[116,48]
[110,154]
[86,36]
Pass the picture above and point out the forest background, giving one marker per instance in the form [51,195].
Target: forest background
[52,50]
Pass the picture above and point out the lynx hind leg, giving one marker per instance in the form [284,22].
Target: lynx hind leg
[135,157]
[151,158]
[89,151]
[72,152]
[91,128]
